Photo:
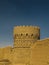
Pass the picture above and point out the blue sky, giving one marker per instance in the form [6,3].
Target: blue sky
[23,12]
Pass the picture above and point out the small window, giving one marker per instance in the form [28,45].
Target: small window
[21,34]
[31,34]
[26,34]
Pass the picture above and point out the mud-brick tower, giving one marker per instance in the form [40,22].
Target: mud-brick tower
[25,35]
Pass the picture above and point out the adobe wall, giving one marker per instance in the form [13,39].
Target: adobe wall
[21,56]
[40,52]
[1,53]
[5,53]
[36,54]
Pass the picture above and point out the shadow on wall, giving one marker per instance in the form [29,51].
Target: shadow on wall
[5,62]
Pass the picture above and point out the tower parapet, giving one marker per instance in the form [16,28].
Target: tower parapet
[25,34]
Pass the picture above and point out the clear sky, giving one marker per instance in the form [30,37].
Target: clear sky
[22,12]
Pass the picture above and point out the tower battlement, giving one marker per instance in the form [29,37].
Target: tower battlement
[22,33]
[25,29]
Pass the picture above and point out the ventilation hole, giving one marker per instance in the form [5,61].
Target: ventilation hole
[27,34]
[31,34]
[21,34]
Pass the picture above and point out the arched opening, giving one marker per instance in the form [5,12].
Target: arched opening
[26,34]
[31,34]
[21,34]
